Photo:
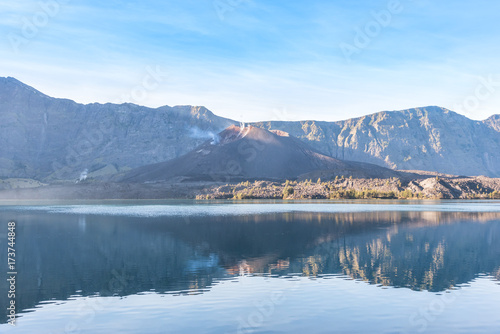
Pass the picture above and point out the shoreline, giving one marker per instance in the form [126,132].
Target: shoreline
[425,188]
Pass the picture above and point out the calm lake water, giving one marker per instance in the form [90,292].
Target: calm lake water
[254,267]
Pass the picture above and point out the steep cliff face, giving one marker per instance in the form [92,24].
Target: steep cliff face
[431,138]
[47,138]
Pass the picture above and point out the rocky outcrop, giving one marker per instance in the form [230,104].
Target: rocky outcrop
[419,187]
[493,122]
[431,138]
[47,138]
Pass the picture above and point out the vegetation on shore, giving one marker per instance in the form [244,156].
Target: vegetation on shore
[349,188]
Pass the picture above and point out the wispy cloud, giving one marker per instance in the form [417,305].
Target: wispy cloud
[262,56]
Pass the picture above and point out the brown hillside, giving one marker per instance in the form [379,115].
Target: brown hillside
[252,153]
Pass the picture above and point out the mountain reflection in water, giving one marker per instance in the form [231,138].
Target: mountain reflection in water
[60,256]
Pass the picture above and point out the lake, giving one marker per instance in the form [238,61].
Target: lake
[253,267]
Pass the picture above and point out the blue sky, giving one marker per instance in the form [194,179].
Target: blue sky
[260,60]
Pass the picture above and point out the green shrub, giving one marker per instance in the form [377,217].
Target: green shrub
[287,191]
[495,195]
[406,194]
[364,194]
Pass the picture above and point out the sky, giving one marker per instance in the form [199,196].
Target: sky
[256,60]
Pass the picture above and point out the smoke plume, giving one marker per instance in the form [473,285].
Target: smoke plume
[83,175]
[198,133]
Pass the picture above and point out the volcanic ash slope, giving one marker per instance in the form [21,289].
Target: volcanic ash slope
[246,153]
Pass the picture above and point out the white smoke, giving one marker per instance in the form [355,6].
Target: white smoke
[83,175]
[243,127]
[197,133]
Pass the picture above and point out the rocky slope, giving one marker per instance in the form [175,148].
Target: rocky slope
[418,187]
[431,138]
[493,122]
[51,139]
[250,153]
[47,138]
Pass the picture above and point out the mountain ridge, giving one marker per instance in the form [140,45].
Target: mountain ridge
[52,139]
[393,138]
[49,138]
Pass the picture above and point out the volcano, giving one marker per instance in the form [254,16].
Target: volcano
[251,153]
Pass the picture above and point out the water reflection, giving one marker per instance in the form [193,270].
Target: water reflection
[62,256]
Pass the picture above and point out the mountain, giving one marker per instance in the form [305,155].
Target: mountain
[243,153]
[430,138]
[48,138]
[493,122]
[53,139]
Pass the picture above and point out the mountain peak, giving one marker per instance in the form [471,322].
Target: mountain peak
[11,85]
[248,152]
[11,80]
[493,122]
[434,110]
